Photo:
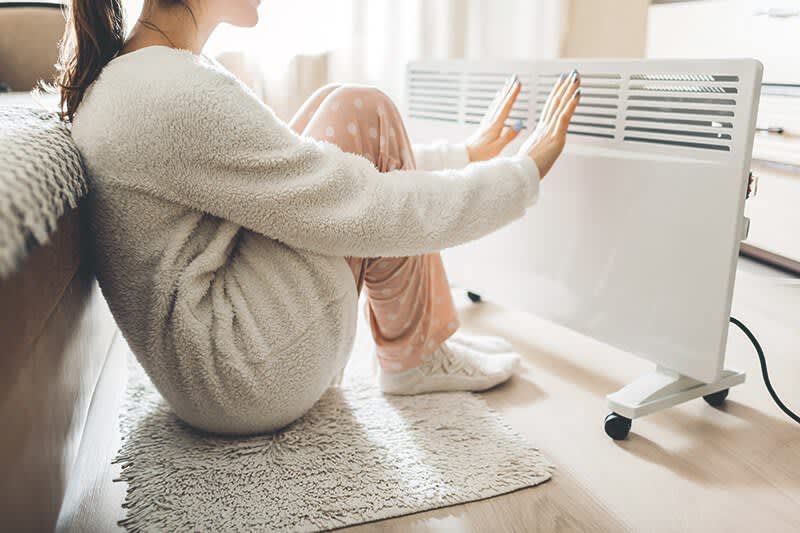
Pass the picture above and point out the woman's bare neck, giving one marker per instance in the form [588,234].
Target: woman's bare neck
[173,27]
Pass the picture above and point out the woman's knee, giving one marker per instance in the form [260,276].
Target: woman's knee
[362,98]
[363,120]
[325,91]
[311,106]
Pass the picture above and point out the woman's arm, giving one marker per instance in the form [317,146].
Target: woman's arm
[231,157]
[440,155]
[237,161]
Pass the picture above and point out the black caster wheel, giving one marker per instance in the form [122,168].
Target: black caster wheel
[716,399]
[617,426]
[476,298]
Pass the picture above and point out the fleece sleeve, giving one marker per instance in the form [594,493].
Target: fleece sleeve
[440,155]
[223,152]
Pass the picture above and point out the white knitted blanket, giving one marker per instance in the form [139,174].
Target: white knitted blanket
[41,177]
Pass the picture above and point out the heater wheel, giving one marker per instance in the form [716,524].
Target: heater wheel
[617,426]
[475,297]
[716,399]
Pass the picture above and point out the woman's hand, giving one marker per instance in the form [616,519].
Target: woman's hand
[493,135]
[547,141]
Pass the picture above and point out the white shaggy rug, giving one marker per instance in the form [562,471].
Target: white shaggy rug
[358,456]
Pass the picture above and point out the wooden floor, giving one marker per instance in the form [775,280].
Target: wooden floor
[690,468]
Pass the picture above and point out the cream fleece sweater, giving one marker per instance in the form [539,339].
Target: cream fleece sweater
[220,235]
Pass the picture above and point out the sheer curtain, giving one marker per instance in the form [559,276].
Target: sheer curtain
[386,34]
[300,45]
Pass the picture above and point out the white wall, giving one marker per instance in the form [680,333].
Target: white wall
[606,28]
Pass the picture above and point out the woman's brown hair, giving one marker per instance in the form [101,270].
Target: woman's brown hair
[95,33]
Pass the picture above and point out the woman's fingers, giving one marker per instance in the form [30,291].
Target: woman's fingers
[564,99]
[545,146]
[507,103]
[507,135]
[492,109]
[551,99]
[497,115]
[492,135]
[567,112]
[561,95]
[570,89]
[499,96]
[555,97]
[566,91]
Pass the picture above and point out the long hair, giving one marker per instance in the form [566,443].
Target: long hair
[94,35]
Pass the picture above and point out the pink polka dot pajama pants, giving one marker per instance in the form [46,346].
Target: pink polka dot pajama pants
[409,306]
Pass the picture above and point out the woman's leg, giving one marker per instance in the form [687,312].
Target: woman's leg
[303,116]
[410,308]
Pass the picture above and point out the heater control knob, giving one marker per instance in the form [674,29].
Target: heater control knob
[745,228]
[752,186]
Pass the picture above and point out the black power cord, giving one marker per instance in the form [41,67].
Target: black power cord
[764,373]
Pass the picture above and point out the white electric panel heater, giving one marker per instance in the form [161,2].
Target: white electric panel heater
[635,236]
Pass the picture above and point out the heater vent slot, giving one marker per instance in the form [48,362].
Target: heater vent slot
[683,99]
[706,123]
[688,133]
[682,110]
[685,77]
[704,146]
[696,111]
[591,134]
[683,88]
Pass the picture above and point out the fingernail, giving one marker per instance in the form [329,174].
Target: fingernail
[517,127]
[562,77]
[577,94]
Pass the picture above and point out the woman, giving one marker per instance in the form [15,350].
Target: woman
[232,247]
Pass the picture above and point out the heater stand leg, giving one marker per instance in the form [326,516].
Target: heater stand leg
[474,297]
[659,390]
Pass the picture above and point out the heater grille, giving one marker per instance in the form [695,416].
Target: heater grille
[434,94]
[462,97]
[692,111]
